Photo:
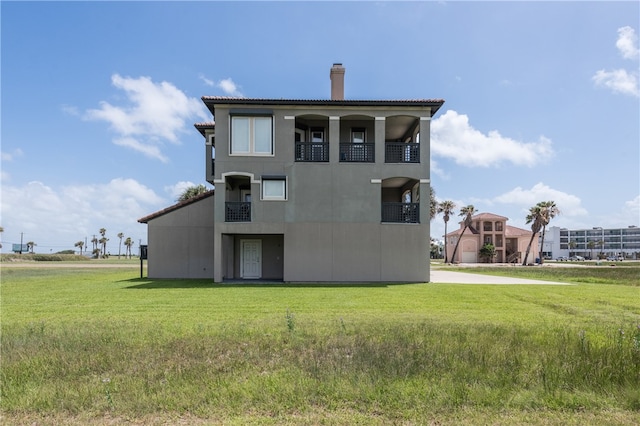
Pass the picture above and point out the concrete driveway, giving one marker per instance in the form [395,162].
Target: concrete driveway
[450,277]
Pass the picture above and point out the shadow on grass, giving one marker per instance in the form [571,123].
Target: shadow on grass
[147,284]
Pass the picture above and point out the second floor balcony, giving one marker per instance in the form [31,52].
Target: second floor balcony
[357,152]
[315,152]
[401,152]
[236,211]
[401,212]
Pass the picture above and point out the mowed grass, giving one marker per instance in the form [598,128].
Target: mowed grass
[102,346]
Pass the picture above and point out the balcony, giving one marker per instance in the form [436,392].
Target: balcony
[312,152]
[401,152]
[401,212]
[237,211]
[357,152]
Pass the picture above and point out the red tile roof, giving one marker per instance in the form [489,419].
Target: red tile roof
[177,206]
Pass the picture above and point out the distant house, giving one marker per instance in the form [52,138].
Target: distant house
[328,190]
[488,228]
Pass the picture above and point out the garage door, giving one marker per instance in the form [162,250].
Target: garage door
[469,257]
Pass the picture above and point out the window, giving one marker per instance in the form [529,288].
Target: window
[251,136]
[317,134]
[358,135]
[274,188]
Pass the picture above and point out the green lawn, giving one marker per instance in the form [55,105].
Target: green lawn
[87,345]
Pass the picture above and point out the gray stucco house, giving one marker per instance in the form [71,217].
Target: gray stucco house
[305,191]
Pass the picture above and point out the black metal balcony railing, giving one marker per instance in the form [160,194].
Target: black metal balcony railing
[237,212]
[401,212]
[315,152]
[401,152]
[357,152]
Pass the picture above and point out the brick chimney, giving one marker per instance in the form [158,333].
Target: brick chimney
[337,82]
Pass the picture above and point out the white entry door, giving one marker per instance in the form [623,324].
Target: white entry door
[250,259]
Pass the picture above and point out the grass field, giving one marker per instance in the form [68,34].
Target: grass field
[102,346]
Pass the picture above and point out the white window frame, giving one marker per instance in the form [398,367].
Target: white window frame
[356,131]
[252,125]
[316,134]
[281,194]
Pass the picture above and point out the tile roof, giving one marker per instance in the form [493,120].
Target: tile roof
[435,104]
[177,206]
[201,127]
[488,216]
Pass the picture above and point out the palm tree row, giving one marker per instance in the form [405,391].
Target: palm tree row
[100,245]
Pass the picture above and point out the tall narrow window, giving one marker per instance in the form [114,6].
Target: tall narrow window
[251,136]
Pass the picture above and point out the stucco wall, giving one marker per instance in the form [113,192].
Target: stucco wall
[180,242]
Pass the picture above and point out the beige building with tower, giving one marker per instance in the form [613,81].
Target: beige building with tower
[509,241]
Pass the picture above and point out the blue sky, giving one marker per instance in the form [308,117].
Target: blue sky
[99,100]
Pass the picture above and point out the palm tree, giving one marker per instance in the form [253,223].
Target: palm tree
[591,245]
[94,241]
[128,243]
[79,244]
[433,204]
[535,219]
[548,211]
[572,245]
[1,231]
[447,209]
[121,236]
[192,191]
[468,212]
[600,244]
[103,241]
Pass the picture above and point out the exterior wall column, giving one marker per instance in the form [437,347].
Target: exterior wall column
[425,145]
[379,132]
[334,139]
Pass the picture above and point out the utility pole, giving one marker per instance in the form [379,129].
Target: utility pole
[21,235]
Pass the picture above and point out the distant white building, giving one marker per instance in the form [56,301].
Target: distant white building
[589,242]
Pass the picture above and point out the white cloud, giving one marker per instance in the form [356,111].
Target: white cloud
[10,156]
[627,215]
[156,112]
[227,85]
[152,151]
[621,80]
[453,137]
[55,218]
[627,43]
[176,190]
[207,81]
[569,205]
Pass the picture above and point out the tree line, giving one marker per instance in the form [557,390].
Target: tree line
[99,245]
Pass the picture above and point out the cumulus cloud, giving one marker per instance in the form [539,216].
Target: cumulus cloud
[452,136]
[621,80]
[176,190]
[227,85]
[627,43]
[55,218]
[155,113]
[569,205]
